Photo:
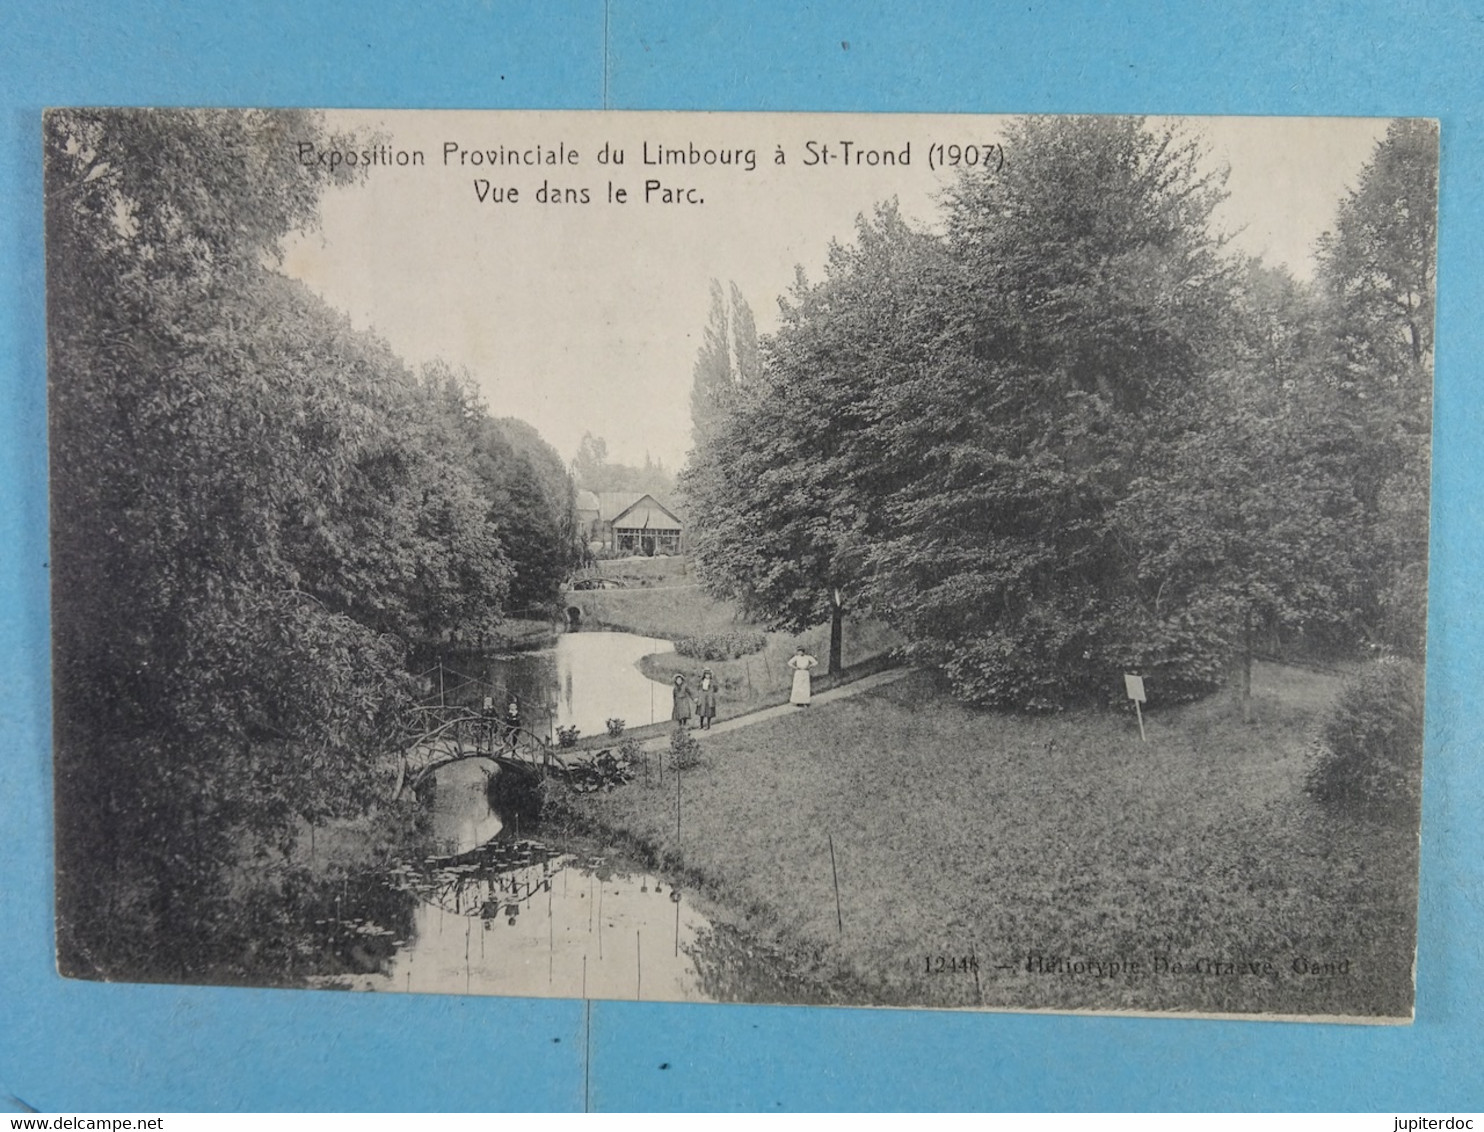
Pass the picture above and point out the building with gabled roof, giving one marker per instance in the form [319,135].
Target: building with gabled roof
[635,522]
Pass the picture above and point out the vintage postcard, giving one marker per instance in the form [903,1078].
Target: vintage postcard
[921,561]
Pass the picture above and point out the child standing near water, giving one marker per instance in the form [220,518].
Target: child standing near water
[685,705]
[511,721]
[706,699]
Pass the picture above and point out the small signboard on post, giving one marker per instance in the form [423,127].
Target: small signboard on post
[1134,686]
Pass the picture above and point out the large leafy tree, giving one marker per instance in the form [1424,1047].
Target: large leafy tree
[1073,436]
[782,488]
[527,493]
[1378,270]
[543,538]
[1380,262]
[1247,521]
[1085,294]
[252,515]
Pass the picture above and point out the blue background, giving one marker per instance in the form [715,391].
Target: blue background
[80,1046]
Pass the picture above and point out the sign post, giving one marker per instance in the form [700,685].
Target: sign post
[1134,686]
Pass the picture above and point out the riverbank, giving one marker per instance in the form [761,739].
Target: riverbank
[763,679]
[521,633]
[664,611]
[664,607]
[1057,863]
[732,709]
[737,956]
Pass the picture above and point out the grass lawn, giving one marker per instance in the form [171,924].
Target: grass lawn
[644,570]
[676,610]
[1055,853]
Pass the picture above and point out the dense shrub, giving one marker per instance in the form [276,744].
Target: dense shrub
[1182,658]
[1370,751]
[685,751]
[1404,609]
[1050,661]
[722,646]
[615,727]
[567,736]
[605,770]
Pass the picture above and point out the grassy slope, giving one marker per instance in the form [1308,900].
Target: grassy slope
[674,611]
[959,832]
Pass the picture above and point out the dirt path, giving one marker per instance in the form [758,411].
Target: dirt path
[843,691]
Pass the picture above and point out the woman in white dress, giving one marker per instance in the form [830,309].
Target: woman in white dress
[801,662]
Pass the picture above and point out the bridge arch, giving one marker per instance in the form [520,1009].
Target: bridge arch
[445,735]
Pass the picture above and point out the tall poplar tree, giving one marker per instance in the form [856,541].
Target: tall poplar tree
[727,364]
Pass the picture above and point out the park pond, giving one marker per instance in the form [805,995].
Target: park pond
[496,903]
[501,906]
[582,680]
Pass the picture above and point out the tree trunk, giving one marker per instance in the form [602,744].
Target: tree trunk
[1247,668]
[837,632]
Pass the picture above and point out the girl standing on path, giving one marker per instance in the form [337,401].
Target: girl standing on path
[706,699]
[801,663]
[685,705]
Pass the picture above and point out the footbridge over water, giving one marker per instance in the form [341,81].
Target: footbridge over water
[446,734]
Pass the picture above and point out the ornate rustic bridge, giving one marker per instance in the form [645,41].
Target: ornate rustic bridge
[447,734]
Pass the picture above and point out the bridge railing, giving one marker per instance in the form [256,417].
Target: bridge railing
[441,734]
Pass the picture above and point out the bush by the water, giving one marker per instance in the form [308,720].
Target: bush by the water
[722,646]
[1370,751]
[605,770]
[567,736]
[615,727]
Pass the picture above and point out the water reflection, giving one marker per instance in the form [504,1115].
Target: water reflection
[495,912]
[499,907]
[457,800]
[524,918]
[582,681]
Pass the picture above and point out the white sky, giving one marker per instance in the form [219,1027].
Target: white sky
[588,317]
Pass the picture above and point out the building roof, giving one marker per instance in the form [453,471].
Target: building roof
[610,506]
[645,512]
